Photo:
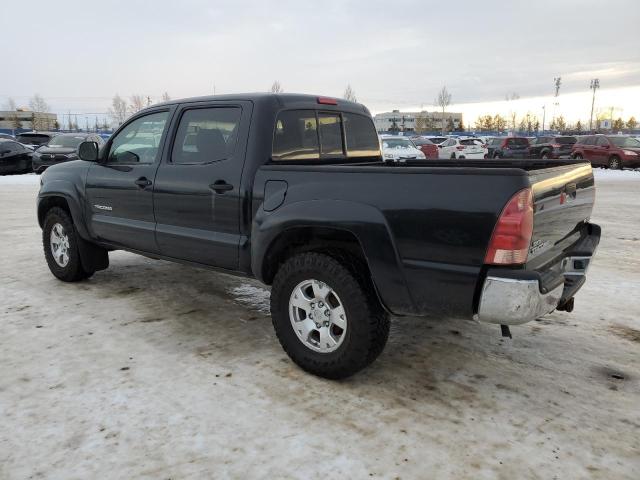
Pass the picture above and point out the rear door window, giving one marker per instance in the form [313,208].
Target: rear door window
[206,135]
[518,142]
[602,142]
[589,141]
[565,140]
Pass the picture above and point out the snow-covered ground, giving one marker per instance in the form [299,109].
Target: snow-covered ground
[157,370]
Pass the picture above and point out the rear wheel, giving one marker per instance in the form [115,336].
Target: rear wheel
[453,156]
[545,155]
[577,156]
[496,155]
[327,319]
[60,243]
[615,163]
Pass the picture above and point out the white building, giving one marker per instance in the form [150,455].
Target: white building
[415,121]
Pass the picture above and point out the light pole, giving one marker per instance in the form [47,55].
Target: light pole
[595,84]
[544,115]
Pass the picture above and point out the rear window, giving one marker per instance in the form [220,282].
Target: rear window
[362,139]
[471,141]
[521,142]
[422,141]
[565,140]
[33,139]
[311,135]
[438,140]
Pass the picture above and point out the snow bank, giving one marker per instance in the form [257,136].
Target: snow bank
[616,175]
[25,179]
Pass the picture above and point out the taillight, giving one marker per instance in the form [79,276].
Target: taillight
[504,144]
[512,234]
[460,147]
[556,145]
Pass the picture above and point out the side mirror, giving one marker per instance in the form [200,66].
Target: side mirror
[88,151]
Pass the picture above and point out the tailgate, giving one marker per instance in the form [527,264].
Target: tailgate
[563,200]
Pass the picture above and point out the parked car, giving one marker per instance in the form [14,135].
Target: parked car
[61,148]
[552,147]
[105,136]
[427,147]
[37,139]
[462,147]
[14,157]
[508,147]
[7,136]
[437,140]
[613,151]
[290,189]
[399,149]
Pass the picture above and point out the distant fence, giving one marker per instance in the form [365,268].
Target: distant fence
[17,131]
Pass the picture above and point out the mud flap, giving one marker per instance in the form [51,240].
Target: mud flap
[93,257]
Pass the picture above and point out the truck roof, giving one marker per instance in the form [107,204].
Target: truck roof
[283,99]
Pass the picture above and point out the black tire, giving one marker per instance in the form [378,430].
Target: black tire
[577,156]
[545,155]
[368,324]
[452,157]
[73,271]
[615,163]
[496,155]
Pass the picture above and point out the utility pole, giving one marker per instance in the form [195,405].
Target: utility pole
[544,114]
[557,82]
[595,84]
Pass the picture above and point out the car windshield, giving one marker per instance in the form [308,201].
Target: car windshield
[625,142]
[66,141]
[396,143]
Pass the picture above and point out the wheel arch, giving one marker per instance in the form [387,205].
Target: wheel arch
[332,226]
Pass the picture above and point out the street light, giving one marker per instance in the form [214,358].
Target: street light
[595,84]
[544,115]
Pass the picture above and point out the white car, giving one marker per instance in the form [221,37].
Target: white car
[463,147]
[399,149]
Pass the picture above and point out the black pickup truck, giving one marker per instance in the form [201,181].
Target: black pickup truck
[291,190]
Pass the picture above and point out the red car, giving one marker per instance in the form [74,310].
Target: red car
[613,151]
[427,147]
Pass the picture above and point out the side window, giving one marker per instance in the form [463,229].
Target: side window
[602,142]
[330,134]
[589,141]
[206,135]
[296,136]
[139,141]
[8,146]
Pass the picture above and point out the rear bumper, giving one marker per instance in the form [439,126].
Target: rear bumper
[514,297]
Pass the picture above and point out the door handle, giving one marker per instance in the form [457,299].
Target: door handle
[143,182]
[221,186]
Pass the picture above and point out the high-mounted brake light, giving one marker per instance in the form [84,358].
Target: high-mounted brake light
[511,236]
[327,101]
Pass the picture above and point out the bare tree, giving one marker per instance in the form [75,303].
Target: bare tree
[512,96]
[136,103]
[166,97]
[276,87]
[10,105]
[118,110]
[38,104]
[349,94]
[15,120]
[443,100]
[499,123]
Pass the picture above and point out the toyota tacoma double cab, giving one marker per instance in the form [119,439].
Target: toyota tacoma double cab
[292,190]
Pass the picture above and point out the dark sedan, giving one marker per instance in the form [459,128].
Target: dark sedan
[62,148]
[35,139]
[14,158]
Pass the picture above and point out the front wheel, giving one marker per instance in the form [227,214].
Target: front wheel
[327,319]
[60,243]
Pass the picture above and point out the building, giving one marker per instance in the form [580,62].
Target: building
[25,119]
[415,121]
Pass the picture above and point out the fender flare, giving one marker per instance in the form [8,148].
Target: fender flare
[366,223]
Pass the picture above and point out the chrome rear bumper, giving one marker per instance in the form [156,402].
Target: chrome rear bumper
[513,301]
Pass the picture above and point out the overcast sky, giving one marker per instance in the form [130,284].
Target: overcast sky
[395,54]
